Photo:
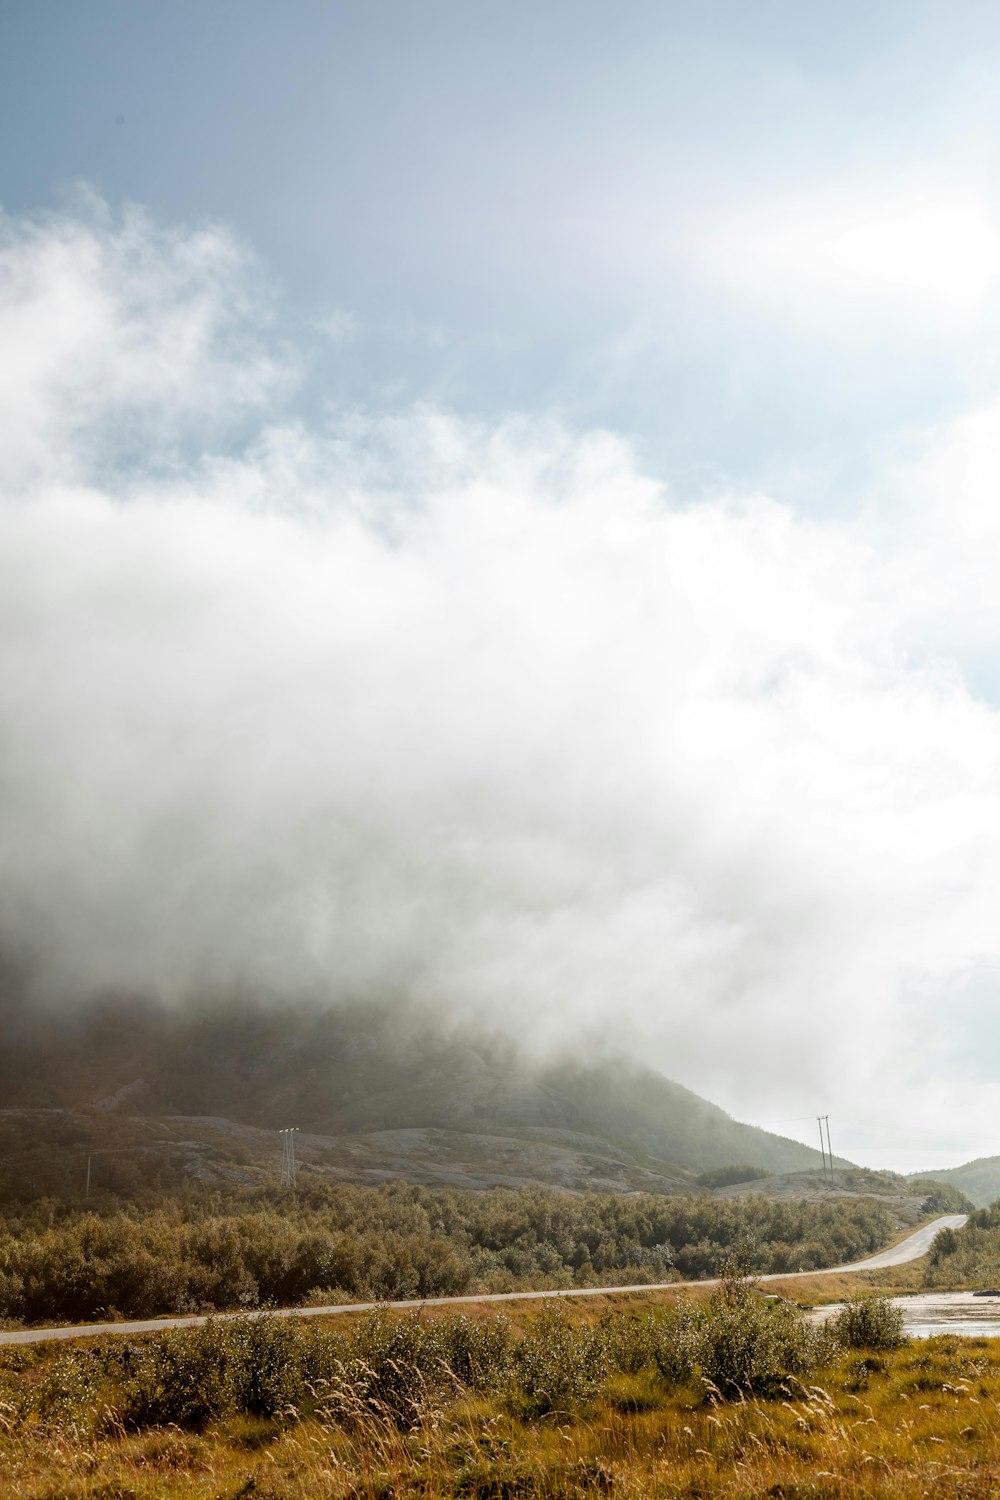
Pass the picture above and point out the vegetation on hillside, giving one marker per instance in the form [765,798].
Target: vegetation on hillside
[970,1256]
[941,1197]
[730,1175]
[979,1180]
[212,1251]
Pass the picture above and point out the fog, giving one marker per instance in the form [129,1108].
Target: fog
[478,713]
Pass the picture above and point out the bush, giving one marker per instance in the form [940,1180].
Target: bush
[558,1365]
[264,1359]
[658,1340]
[384,1368]
[729,1176]
[400,1373]
[744,1345]
[869,1323]
[174,1379]
[475,1356]
[254,1366]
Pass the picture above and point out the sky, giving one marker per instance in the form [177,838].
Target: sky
[500,505]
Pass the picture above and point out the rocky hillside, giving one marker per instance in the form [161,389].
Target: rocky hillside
[386,1091]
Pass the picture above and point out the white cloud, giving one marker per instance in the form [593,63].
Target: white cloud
[921,251]
[480,712]
[119,335]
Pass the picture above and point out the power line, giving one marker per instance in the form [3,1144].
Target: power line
[92,1151]
[825,1148]
[787,1120]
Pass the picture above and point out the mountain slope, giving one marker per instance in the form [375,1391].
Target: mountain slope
[979,1180]
[378,1071]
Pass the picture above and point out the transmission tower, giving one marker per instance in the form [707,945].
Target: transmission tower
[289,1166]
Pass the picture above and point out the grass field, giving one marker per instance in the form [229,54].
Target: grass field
[576,1401]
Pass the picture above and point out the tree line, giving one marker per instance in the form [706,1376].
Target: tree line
[341,1242]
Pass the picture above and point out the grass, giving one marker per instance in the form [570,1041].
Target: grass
[923,1420]
[562,1404]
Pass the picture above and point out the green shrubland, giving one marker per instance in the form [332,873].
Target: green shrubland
[211,1251]
[970,1256]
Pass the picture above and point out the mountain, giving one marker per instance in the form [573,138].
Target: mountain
[979,1180]
[376,1091]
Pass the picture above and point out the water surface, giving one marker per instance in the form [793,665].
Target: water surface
[931,1313]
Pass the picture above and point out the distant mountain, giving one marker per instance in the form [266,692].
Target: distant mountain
[979,1180]
[422,1100]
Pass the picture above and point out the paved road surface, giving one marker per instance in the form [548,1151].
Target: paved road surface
[912,1248]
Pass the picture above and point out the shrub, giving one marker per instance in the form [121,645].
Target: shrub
[176,1378]
[658,1340]
[946,1242]
[743,1345]
[729,1176]
[869,1323]
[557,1366]
[399,1373]
[475,1356]
[254,1366]
[387,1368]
[263,1362]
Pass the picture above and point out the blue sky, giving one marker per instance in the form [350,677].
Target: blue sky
[502,501]
[520,207]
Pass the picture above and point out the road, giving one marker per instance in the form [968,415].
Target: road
[912,1248]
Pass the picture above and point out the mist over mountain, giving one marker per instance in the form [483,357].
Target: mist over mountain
[474,714]
[378,1071]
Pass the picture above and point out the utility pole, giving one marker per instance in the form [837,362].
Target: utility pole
[822,1143]
[289,1166]
[829,1148]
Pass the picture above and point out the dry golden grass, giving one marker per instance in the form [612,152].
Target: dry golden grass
[804,1291]
[923,1420]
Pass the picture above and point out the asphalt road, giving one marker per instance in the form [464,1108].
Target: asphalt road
[912,1248]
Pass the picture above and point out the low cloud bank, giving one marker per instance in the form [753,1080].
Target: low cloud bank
[479,713]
